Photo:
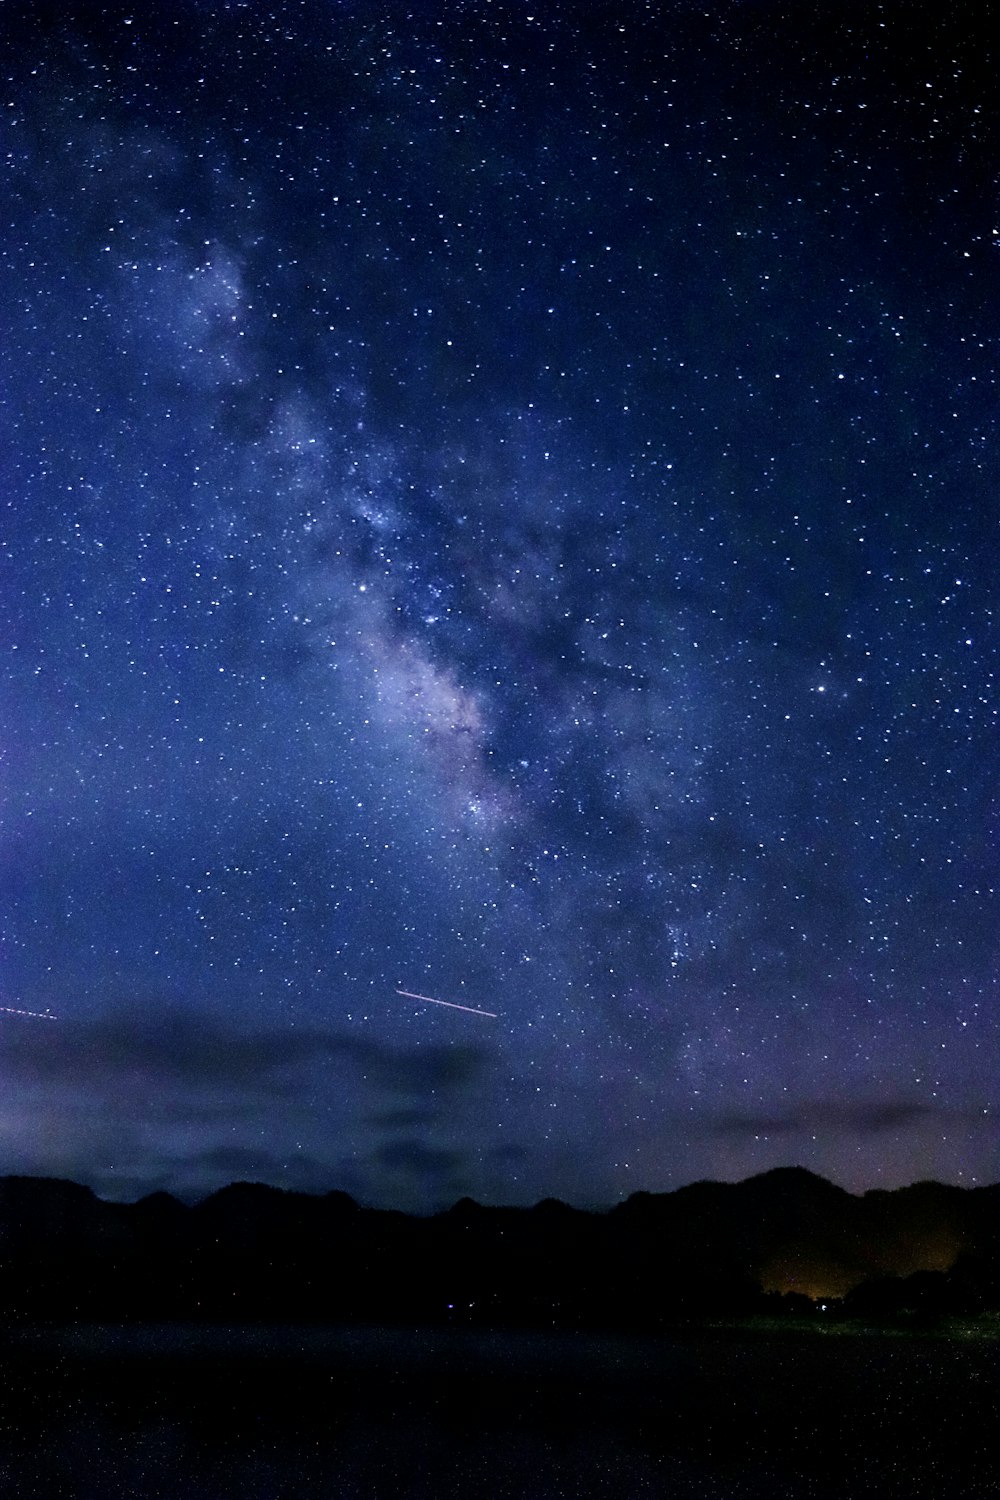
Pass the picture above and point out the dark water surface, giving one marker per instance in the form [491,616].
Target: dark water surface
[171,1411]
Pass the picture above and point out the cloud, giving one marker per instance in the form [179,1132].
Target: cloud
[828,1117]
[753,1125]
[176,1048]
[192,1052]
[874,1118]
[252,1163]
[434,1068]
[419,1174]
[403,1118]
[411,1154]
[507,1153]
[198,1174]
[129,1103]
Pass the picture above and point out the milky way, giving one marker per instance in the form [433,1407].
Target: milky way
[502,506]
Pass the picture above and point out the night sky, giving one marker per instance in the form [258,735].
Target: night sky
[498,501]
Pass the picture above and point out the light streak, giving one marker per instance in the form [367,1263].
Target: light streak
[450,1004]
[39,1015]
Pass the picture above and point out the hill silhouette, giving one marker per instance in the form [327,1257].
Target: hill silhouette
[252,1252]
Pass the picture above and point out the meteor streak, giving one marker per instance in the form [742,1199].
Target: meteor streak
[39,1015]
[450,1004]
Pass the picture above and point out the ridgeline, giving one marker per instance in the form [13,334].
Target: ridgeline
[785,1242]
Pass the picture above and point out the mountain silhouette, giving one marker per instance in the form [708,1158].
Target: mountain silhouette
[255,1252]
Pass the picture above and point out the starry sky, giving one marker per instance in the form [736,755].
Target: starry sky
[499,500]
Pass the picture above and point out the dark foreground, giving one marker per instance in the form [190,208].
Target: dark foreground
[267,1414]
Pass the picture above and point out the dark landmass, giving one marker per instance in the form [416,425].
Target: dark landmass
[284,1414]
[787,1244]
[264,1343]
